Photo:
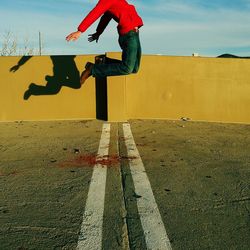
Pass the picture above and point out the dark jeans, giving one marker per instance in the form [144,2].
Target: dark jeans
[131,57]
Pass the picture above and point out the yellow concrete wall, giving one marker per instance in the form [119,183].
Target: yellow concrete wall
[116,90]
[117,99]
[205,89]
[69,103]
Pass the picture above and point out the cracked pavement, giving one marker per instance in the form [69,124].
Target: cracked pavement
[199,174]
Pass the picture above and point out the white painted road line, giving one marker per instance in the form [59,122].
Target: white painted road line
[91,229]
[153,227]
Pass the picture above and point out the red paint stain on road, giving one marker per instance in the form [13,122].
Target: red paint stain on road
[8,174]
[91,160]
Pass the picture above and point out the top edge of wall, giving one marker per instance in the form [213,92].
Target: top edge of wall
[147,55]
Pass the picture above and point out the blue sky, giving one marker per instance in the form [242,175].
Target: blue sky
[172,27]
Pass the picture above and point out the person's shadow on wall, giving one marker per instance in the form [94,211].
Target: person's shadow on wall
[65,73]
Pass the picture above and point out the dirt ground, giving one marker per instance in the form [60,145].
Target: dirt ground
[199,173]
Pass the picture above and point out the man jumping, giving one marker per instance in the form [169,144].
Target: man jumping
[129,23]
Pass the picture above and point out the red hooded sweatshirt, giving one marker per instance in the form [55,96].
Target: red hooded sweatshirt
[122,12]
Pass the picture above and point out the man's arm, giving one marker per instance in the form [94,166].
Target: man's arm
[105,19]
[103,22]
[101,7]
[73,36]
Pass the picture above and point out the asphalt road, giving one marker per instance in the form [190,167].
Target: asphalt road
[92,185]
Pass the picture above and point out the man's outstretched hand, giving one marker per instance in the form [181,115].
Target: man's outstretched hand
[73,36]
[93,37]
